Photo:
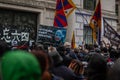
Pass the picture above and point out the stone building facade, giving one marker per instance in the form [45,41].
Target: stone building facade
[118,10]
[33,13]
[83,16]
[19,19]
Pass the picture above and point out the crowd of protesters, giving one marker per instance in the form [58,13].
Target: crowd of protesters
[40,62]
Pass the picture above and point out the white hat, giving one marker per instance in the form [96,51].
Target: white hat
[67,44]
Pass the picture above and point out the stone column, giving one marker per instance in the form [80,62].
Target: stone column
[71,24]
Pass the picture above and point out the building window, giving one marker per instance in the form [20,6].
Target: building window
[89,4]
[87,32]
[116,9]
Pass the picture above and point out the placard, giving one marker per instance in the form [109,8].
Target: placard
[51,35]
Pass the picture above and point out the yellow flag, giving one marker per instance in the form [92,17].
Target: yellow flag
[73,44]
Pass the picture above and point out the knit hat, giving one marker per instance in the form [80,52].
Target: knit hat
[20,65]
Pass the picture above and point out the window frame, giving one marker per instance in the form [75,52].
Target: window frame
[88,35]
[88,7]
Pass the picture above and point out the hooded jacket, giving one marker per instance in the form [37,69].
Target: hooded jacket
[20,65]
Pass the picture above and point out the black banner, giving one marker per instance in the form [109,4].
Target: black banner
[16,35]
[50,34]
[111,34]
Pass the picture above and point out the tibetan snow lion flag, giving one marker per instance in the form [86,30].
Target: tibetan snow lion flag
[95,23]
[68,5]
[60,16]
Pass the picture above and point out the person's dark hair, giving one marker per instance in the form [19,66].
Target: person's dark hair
[95,46]
[90,47]
[76,50]
[4,47]
[118,51]
[51,44]
[97,50]
[104,49]
[97,67]
[42,59]
[114,72]
[37,47]
[113,54]
[61,50]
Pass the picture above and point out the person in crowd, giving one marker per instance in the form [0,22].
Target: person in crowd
[108,46]
[51,48]
[97,67]
[104,52]
[24,46]
[97,50]
[80,47]
[59,69]
[45,62]
[42,58]
[20,65]
[75,54]
[95,46]
[51,66]
[78,68]
[113,54]
[38,47]
[82,52]
[114,71]
[67,46]
[91,49]
[66,59]
[4,47]
[57,59]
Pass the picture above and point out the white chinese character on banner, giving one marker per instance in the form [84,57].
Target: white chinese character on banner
[5,35]
[16,36]
[24,36]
